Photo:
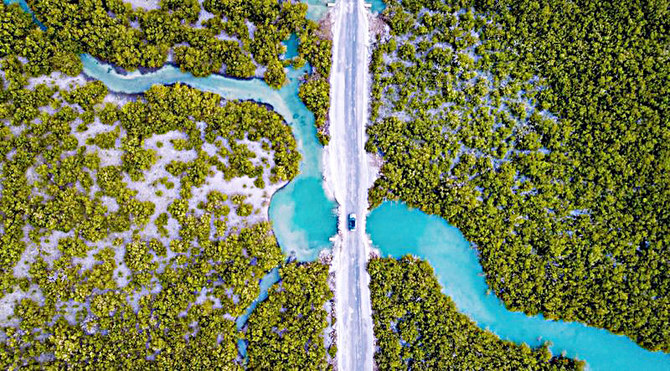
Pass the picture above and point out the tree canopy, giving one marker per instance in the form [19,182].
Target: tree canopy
[419,328]
[539,128]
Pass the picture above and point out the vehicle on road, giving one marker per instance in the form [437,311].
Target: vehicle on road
[351,222]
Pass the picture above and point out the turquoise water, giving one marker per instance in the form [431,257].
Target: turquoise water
[291,46]
[377,6]
[302,216]
[397,230]
[315,209]
[21,3]
[316,8]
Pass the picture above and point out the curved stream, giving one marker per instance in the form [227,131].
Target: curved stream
[303,222]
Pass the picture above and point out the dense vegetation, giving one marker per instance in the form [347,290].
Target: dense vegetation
[238,38]
[419,328]
[287,329]
[540,129]
[20,37]
[234,34]
[124,243]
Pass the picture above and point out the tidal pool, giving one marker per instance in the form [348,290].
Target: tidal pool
[397,230]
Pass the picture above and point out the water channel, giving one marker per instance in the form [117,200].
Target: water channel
[398,230]
[303,222]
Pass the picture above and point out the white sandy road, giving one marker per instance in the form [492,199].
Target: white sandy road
[346,166]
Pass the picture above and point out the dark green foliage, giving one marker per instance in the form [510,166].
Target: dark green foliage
[242,208]
[161,223]
[20,36]
[115,335]
[274,74]
[419,328]
[105,140]
[316,48]
[15,26]
[187,10]
[86,96]
[548,149]
[103,29]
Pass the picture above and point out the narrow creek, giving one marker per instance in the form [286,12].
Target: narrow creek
[303,222]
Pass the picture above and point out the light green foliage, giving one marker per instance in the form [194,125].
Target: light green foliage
[173,338]
[315,92]
[215,204]
[161,222]
[136,159]
[114,40]
[539,129]
[242,208]
[187,10]
[133,307]
[274,74]
[20,37]
[137,257]
[418,327]
[86,96]
[108,114]
[15,26]
[71,247]
[105,140]
[315,47]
